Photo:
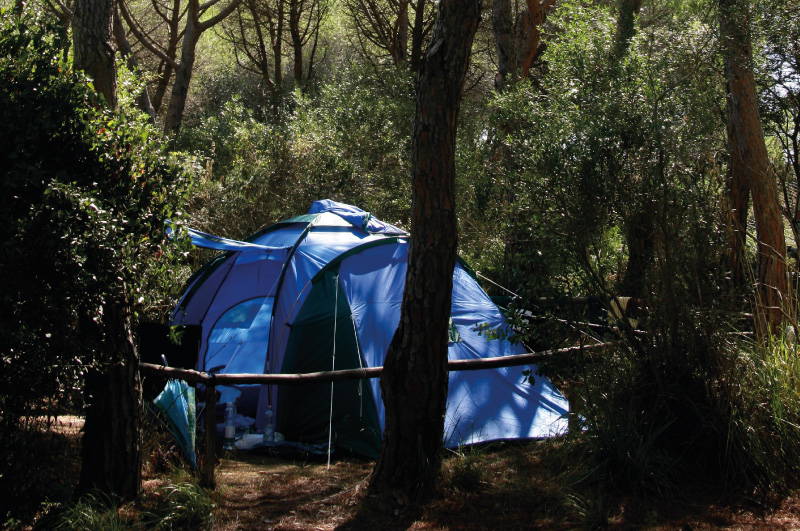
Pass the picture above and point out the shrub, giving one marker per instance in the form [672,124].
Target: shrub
[85,194]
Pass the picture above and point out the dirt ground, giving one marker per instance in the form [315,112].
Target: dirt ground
[263,493]
[517,486]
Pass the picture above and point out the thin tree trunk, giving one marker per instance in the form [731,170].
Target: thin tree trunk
[112,449]
[414,380]
[93,45]
[297,42]
[739,204]
[277,46]
[402,34]
[748,141]
[504,41]
[183,74]
[417,35]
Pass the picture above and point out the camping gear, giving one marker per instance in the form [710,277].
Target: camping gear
[269,426]
[322,292]
[230,428]
[176,401]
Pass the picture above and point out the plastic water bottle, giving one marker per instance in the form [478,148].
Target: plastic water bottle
[230,427]
[269,425]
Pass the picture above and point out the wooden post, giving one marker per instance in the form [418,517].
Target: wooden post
[211,431]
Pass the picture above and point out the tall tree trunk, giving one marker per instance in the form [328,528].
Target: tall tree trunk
[112,449]
[639,229]
[517,40]
[414,380]
[749,146]
[93,45]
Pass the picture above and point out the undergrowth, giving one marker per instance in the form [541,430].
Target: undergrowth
[716,407]
[182,505]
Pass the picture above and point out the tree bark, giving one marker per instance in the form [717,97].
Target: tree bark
[93,45]
[517,39]
[738,192]
[414,382]
[402,34]
[112,451]
[183,71]
[418,32]
[297,42]
[503,22]
[749,147]
[183,74]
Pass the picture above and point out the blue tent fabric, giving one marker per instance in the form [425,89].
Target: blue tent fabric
[177,403]
[356,216]
[247,303]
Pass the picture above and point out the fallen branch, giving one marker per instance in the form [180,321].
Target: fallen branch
[355,374]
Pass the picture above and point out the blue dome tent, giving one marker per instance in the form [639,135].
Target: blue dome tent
[322,291]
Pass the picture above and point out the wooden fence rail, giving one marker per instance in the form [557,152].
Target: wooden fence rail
[213,380]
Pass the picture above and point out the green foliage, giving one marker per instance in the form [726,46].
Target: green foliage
[94,511]
[604,144]
[180,506]
[172,506]
[761,383]
[349,140]
[614,187]
[84,197]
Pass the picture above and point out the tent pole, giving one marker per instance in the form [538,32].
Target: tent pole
[211,429]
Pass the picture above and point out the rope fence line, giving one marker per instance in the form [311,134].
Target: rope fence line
[212,380]
[514,360]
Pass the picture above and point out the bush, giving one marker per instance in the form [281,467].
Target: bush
[348,140]
[85,194]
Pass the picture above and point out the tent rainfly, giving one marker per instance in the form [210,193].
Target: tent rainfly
[322,292]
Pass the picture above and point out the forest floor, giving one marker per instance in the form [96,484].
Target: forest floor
[501,486]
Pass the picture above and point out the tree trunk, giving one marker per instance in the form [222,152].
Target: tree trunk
[749,146]
[93,45]
[111,454]
[640,224]
[639,229]
[183,74]
[402,34]
[277,44]
[739,204]
[297,42]
[165,73]
[504,41]
[414,380]
[417,35]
